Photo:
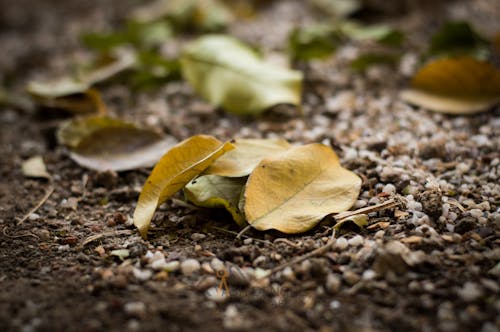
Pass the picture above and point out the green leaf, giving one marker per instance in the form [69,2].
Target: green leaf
[313,42]
[229,74]
[213,191]
[364,61]
[380,33]
[206,15]
[458,38]
[337,8]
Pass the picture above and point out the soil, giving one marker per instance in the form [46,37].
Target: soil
[429,264]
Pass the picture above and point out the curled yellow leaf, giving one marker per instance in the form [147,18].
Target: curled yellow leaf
[457,85]
[294,190]
[246,155]
[175,169]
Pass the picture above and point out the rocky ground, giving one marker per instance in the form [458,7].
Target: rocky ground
[430,263]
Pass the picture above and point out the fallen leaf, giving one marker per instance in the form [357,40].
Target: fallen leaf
[313,42]
[293,191]
[104,68]
[459,38]
[34,167]
[204,15]
[246,155]
[102,143]
[364,61]
[213,191]
[381,33]
[175,169]
[337,8]
[359,221]
[457,85]
[230,74]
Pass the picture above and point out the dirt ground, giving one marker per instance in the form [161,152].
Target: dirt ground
[430,264]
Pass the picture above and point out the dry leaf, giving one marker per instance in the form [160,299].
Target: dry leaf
[213,191]
[359,221]
[293,191]
[458,85]
[247,154]
[230,74]
[34,167]
[103,143]
[175,169]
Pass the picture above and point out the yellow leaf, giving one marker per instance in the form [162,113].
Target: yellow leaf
[293,191]
[458,85]
[175,169]
[246,155]
[213,191]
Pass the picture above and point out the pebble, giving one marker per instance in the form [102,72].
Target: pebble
[136,309]
[198,236]
[159,264]
[333,283]
[172,266]
[217,265]
[190,266]
[288,273]
[369,274]
[142,275]
[356,241]
[34,216]
[470,292]
[476,213]
[389,189]
[340,244]
[351,277]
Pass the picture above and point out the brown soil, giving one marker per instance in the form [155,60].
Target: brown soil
[444,278]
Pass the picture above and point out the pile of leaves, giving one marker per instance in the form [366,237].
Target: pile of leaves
[266,183]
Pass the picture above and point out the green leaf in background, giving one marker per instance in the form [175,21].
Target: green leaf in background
[380,33]
[364,61]
[199,15]
[337,8]
[313,42]
[459,38]
[213,191]
[230,74]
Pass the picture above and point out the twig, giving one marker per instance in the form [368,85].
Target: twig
[4,231]
[316,252]
[245,236]
[243,231]
[110,233]
[382,206]
[49,192]
[286,241]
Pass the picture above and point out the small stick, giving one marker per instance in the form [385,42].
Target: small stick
[382,206]
[110,233]
[286,241]
[39,204]
[316,252]
[243,231]
[245,236]
[18,236]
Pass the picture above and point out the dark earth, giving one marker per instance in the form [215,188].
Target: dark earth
[432,263]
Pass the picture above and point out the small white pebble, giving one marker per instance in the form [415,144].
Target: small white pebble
[334,304]
[380,234]
[142,275]
[470,291]
[341,243]
[190,266]
[247,241]
[137,309]
[356,241]
[476,213]
[157,256]
[34,216]
[288,274]
[389,188]
[333,283]
[368,275]
[159,264]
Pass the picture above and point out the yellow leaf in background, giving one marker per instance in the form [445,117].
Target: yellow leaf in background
[103,143]
[246,155]
[230,74]
[175,169]
[213,191]
[34,167]
[458,85]
[293,191]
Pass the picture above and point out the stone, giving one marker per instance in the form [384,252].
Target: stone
[190,266]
